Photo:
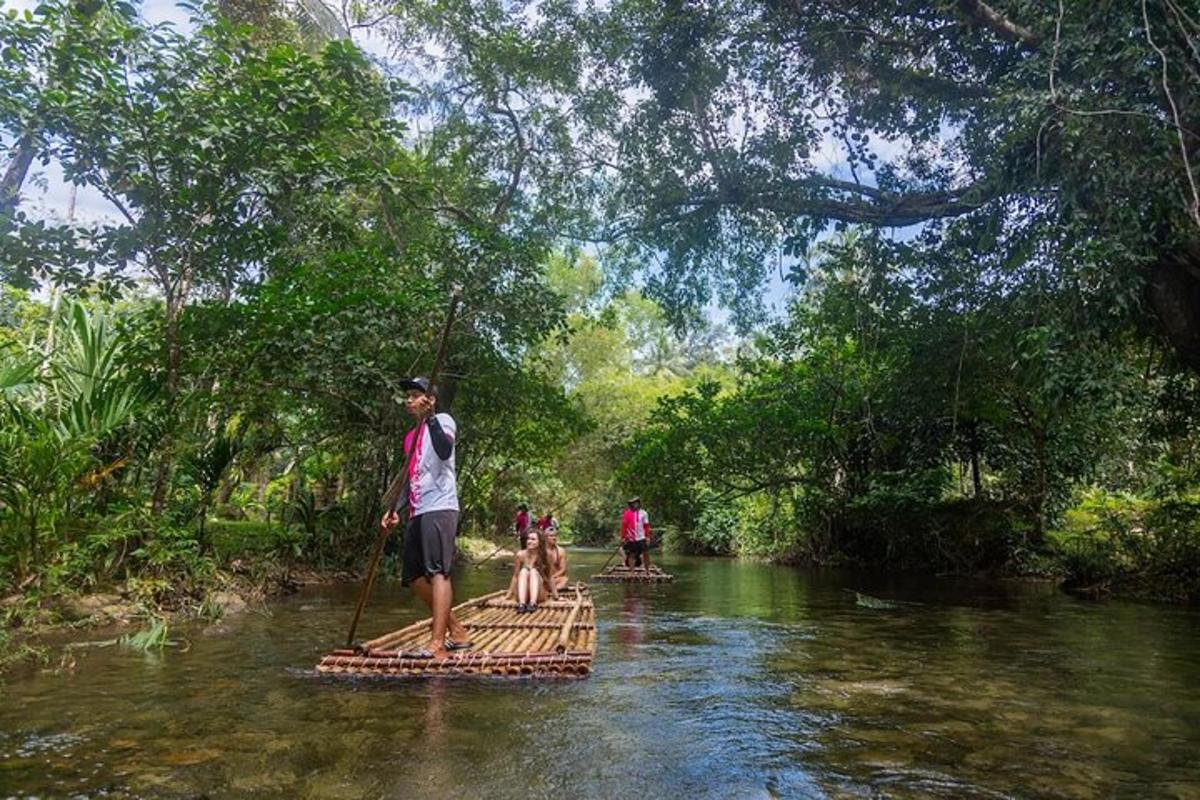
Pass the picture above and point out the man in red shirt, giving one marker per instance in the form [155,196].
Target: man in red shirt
[521,523]
[635,534]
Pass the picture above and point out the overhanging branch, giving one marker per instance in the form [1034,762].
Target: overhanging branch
[981,13]
[838,200]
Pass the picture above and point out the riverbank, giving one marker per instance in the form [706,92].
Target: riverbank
[125,609]
[1107,544]
[32,616]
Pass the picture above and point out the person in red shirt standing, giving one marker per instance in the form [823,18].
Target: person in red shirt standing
[522,522]
[635,534]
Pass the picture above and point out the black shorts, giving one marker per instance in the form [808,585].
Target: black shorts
[429,545]
[636,548]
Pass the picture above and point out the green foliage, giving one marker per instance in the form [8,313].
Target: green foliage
[986,391]
[897,418]
[155,636]
[58,425]
[1118,541]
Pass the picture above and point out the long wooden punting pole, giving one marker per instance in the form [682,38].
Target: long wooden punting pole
[400,482]
[564,636]
[481,562]
[614,555]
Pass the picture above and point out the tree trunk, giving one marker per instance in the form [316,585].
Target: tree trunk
[1173,291]
[228,486]
[14,176]
[33,541]
[1040,488]
[976,475]
[162,478]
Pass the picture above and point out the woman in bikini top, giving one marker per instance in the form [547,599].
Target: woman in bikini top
[529,585]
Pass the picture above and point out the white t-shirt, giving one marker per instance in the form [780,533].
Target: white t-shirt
[639,525]
[432,482]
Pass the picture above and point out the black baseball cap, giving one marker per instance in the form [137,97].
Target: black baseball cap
[420,384]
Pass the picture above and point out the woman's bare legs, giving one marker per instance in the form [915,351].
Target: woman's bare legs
[523,587]
[535,586]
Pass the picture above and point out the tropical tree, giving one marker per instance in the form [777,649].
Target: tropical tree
[209,150]
[61,430]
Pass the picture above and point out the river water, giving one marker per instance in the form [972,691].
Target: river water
[738,680]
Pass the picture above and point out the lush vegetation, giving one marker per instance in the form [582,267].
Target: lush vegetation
[982,222]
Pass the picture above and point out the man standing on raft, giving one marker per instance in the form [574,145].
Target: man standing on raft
[432,499]
[635,534]
[522,523]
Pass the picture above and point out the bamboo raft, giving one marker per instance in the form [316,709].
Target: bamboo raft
[558,640]
[619,573]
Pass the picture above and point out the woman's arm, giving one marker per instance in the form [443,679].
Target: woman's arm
[512,584]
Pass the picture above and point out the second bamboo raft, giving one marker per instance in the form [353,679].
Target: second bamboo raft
[558,640]
[619,573]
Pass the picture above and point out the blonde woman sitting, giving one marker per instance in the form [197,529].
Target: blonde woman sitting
[557,559]
[531,582]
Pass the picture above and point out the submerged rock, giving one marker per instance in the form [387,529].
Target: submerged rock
[99,607]
[227,602]
[866,601]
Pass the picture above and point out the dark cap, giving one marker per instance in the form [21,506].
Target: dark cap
[420,384]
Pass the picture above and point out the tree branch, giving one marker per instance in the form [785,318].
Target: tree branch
[514,181]
[843,201]
[981,13]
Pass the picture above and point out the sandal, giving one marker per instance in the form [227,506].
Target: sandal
[453,645]
[420,652]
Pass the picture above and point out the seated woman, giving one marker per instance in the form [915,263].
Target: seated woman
[531,575]
[557,558]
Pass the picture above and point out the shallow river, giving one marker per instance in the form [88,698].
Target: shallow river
[738,680]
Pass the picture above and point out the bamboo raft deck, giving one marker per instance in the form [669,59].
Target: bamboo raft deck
[558,640]
[619,573]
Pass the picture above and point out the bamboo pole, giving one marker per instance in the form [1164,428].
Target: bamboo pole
[620,545]
[518,643]
[489,639]
[489,557]
[565,634]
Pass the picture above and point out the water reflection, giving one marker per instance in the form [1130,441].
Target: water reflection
[738,679]
[631,629]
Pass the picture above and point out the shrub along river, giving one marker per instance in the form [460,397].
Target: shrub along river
[737,680]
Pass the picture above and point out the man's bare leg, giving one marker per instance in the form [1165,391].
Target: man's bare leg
[428,592]
[646,557]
